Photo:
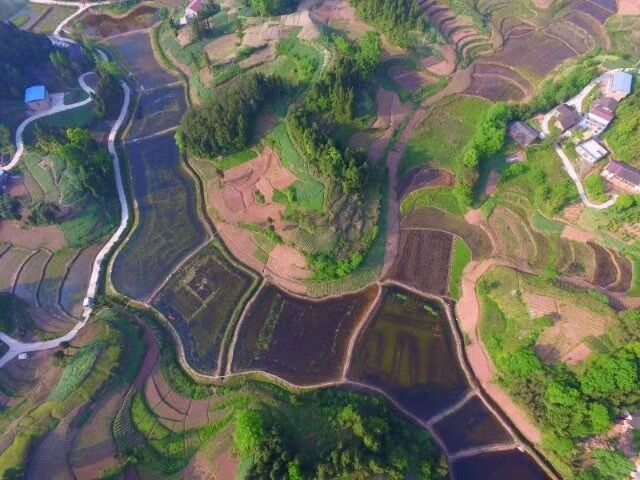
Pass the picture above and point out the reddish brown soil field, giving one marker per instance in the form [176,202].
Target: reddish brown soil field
[588,24]
[304,342]
[424,177]
[606,272]
[626,273]
[423,262]
[494,88]
[103,25]
[474,236]
[537,53]
[566,31]
[409,79]
[50,236]
[629,7]
[28,281]
[591,9]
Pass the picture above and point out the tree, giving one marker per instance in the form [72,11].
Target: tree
[6,145]
[250,431]
[9,207]
[612,465]
[611,377]
[62,64]
[369,53]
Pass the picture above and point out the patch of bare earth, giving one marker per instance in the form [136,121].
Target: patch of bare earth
[235,203]
[221,48]
[578,235]
[50,237]
[543,4]
[446,66]
[628,7]
[339,14]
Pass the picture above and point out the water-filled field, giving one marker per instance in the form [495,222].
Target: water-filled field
[302,341]
[408,351]
[509,465]
[201,300]
[169,227]
[473,425]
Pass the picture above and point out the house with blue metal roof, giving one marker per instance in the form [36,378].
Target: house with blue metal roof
[619,85]
[37,99]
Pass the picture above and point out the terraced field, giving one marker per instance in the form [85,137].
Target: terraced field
[202,301]
[304,342]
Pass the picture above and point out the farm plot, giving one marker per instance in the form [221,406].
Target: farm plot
[592,9]
[438,139]
[159,110]
[536,54]
[201,300]
[564,341]
[474,236]
[53,277]
[408,351]
[302,341]
[136,53]
[74,287]
[424,177]
[104,25]
[473,425]
[11,261]
[494,88]
[30,275]
[494,465]
[424,258]
[169,226]
[606,272]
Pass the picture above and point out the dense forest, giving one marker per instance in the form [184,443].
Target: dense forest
[21,51]
[397,19]
[225,124]
[343,436]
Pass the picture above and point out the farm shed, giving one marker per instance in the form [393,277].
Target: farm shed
[618,85]
[591,151]
[523,134]
[37,99]
[598,119]
[623,175]
[567,117]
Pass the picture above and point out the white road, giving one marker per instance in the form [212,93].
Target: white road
[16,347]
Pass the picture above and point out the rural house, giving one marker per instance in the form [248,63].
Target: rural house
[591,151]
[607,104]
[192,10]
[567,117]
[37,99]
[618,85]
[597,120]
[623,176]
[522,133]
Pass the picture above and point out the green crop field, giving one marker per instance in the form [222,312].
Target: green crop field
[439,139]
[75,373]
[459,260]
[309,191]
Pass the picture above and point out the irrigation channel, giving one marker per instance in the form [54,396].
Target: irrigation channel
[476,436]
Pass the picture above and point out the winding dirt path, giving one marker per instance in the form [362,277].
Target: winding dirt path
[468,315]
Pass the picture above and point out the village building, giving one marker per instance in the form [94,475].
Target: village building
[591,151]
[523,134]
[623,176]
[607,104]
[192,10]
[567,117]
[618,85]
[597,120]
[37,99]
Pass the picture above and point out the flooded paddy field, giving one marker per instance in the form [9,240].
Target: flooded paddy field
[103,25]
[201,300]
[473,425]
[304,342]
[408,351]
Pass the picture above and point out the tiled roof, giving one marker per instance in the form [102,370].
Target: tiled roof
[624,171]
